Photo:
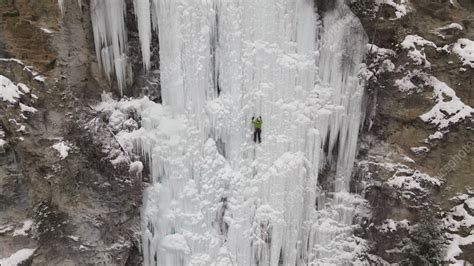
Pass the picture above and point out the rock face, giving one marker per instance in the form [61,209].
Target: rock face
[413,167]
[55,172]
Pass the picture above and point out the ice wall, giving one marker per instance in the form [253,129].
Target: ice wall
[217,198]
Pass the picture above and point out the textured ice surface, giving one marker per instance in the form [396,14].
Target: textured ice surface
[217,198]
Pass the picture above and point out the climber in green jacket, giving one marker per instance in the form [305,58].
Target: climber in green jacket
[257,124]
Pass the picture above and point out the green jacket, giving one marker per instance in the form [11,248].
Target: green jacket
[257,123]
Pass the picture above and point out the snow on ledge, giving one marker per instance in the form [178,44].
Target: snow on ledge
[402,9]
[412,43]
[9,92]
[25,228]
[455,26]
[36,75]
[464,48]
[28,109]
[17,257]
[459,219]
[419,150]
[449,109]
[390,225]
[46,30]
[382,52]
[405,84]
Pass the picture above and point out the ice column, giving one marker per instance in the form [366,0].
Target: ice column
[142,13]
[342,42]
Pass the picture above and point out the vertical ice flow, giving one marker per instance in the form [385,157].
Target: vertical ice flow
[142,14]
[217,198]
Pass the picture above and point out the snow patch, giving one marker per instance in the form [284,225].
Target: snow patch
[413,182]
[455,26]
[63,149]
[381,52]
[464,48]
[74,238]
[29,69]
[18,257]
[24,229]
[40,78]
[413,41]
[415,46]
[9,92]
[449,109]
[458,221]
[390,225]
[46,30]
[23,88]
[405,85]
[28,109]
[6,228]
[419,150]
[387,66]
[402,8]
[435,136]
[408,159]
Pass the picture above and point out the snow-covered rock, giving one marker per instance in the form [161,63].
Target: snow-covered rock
[458,220]
[464,48]
[62,148]
[9,92]
[415,46]
[24,229]
[449,109]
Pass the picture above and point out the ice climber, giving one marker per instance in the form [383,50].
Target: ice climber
[257,124]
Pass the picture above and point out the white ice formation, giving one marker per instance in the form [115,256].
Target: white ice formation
[110,38]
[217,198]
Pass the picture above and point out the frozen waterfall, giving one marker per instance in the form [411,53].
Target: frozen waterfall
[217,198]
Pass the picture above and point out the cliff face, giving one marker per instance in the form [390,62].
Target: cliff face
[416,154]
[56,174]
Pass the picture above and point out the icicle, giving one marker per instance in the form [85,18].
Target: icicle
[110,37]
[61,6]
[142,13]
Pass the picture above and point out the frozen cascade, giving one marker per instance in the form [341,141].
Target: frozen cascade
[219,199]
